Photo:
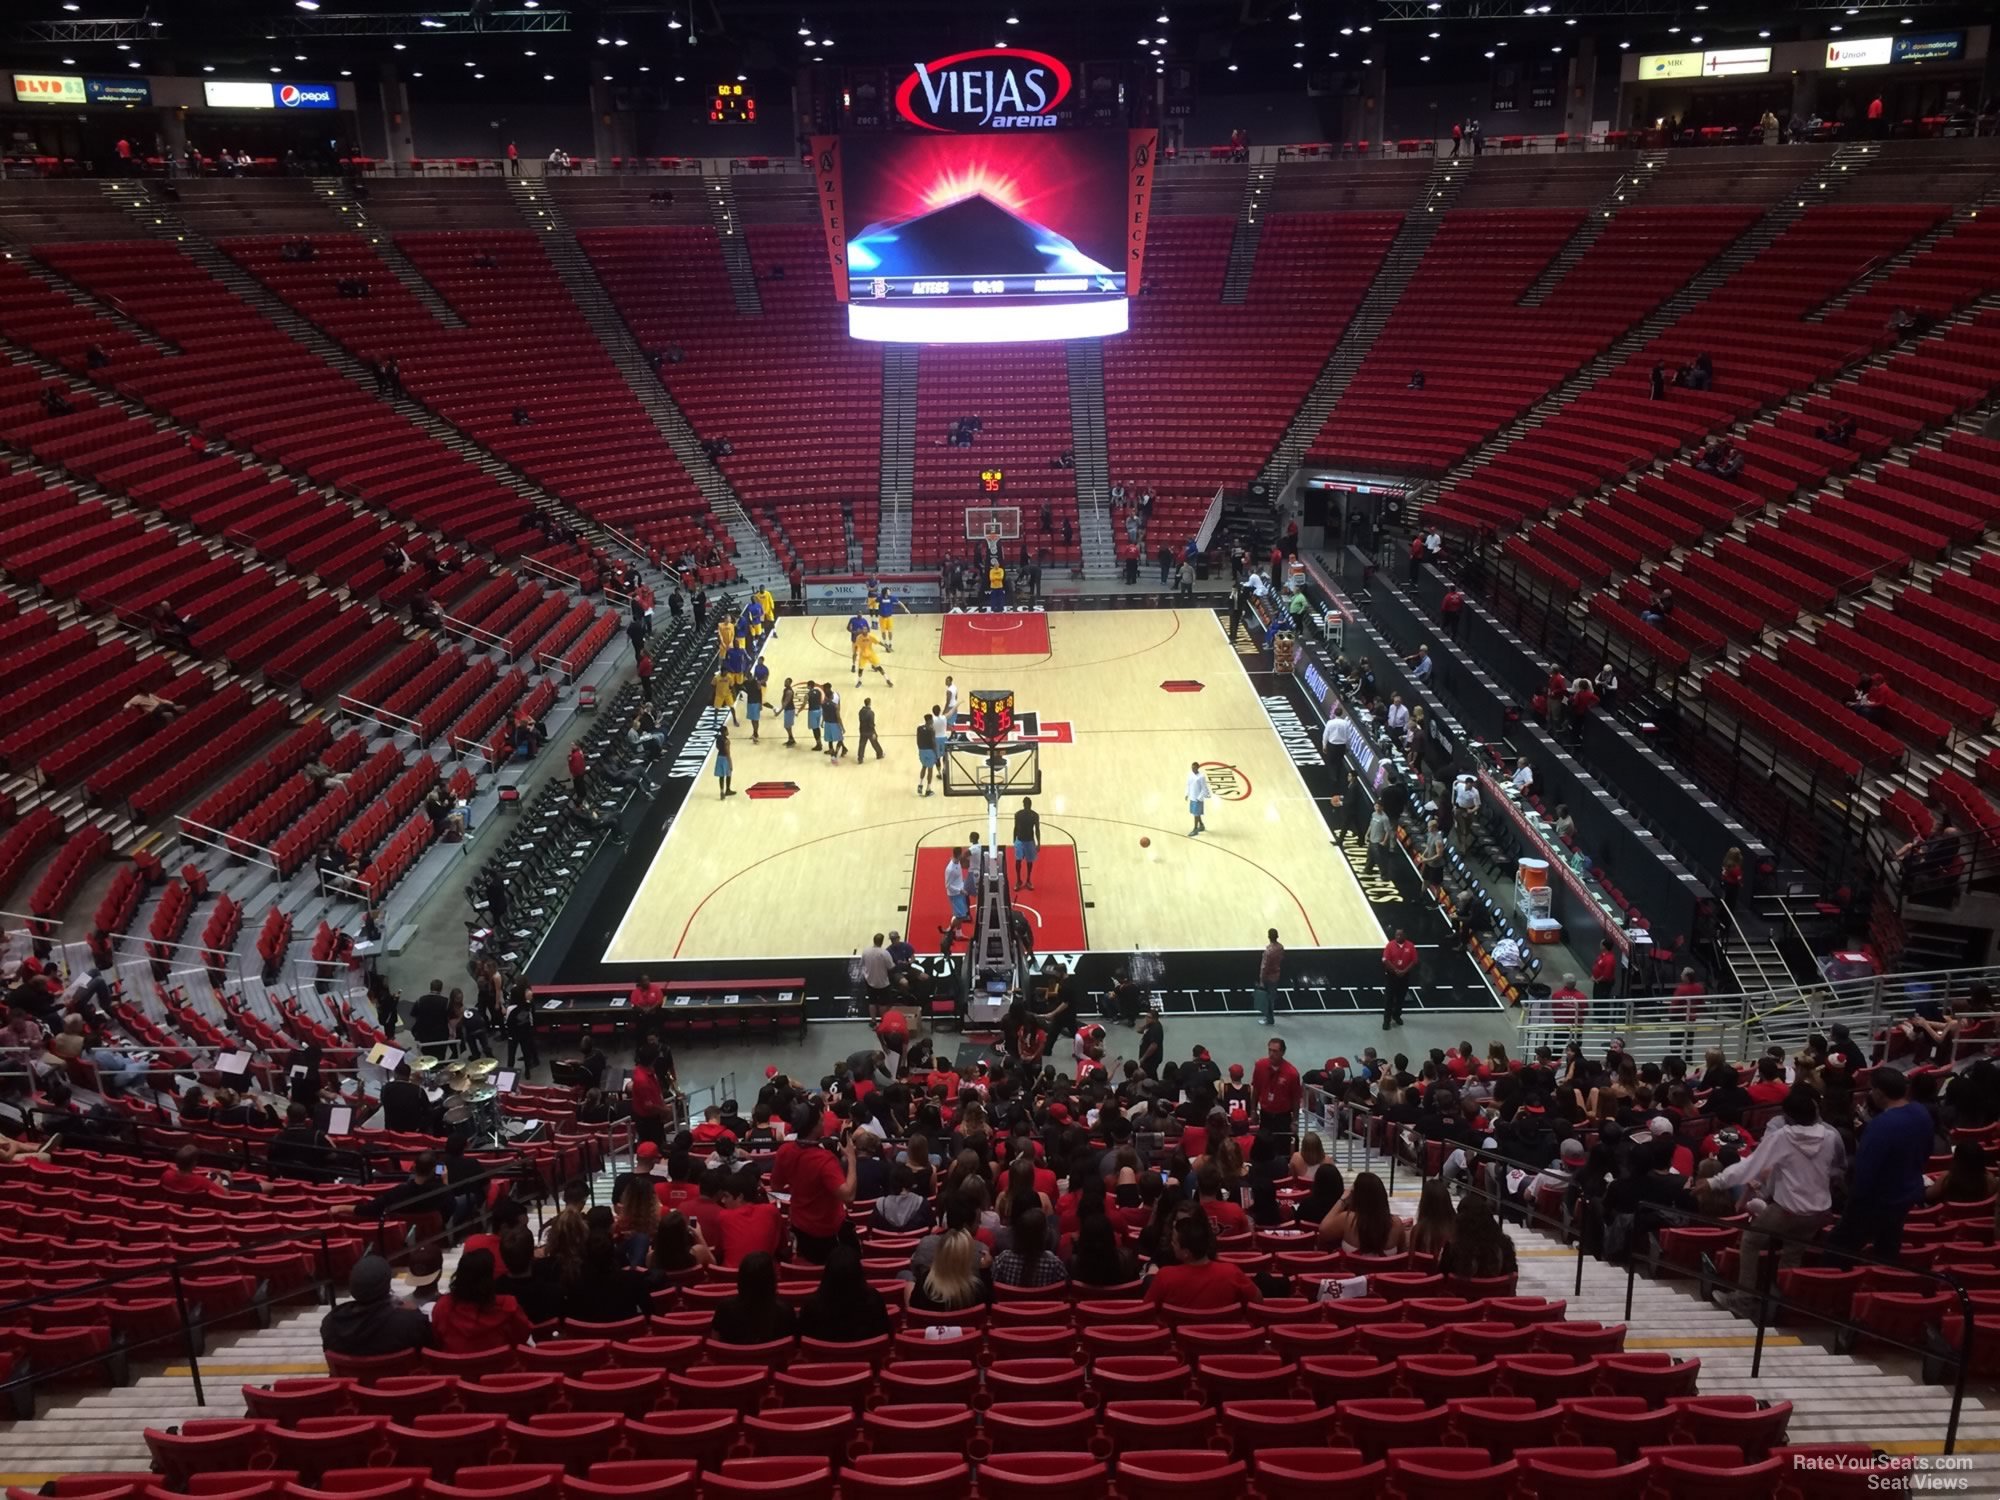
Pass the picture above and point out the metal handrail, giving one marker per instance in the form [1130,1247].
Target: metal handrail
[1769,1301]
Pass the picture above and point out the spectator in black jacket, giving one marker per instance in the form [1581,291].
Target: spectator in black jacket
[373,1322]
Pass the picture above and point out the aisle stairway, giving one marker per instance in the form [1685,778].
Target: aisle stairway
[1629,188]
[1419,228]
[728,221]
[1257,192]
[899,456]
[1088,445]
[754,558]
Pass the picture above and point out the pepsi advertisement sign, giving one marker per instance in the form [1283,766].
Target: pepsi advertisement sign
[304,95]
[990,88]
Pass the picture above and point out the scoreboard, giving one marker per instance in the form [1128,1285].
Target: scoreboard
[732,104]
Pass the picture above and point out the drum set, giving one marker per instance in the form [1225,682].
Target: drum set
[472,1100]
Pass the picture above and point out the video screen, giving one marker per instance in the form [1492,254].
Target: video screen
[949,223]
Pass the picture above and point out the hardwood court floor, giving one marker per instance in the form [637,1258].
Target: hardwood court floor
[818,871]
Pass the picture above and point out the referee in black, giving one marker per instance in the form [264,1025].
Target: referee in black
[865,733]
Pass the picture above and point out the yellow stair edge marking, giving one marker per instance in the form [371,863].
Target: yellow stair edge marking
[1936,1446]
[308,1367]
[1718,1341]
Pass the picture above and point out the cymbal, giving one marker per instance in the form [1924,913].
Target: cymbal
[483,1094]
[423,1062]
[482,1068]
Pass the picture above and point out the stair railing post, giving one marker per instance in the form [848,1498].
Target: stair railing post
[188,1333]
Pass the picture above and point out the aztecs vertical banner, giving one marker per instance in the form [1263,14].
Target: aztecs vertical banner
[1142,149]
[832,217]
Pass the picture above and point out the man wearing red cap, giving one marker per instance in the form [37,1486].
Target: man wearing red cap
[1276,1083]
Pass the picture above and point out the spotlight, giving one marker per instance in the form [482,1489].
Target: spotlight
[306,4]
[673,23]
[1298,65]
[1012,19]
[1232,67]
[399,46]
[1295,16]
[548,78]
[1424,57]
[1491,54]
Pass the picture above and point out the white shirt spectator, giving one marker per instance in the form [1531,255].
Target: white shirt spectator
[1465,795]
[1339,732]
[1524,777]
[1197,787]
[1399,717]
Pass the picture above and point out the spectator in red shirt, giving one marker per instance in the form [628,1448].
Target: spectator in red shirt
[1770,1087]
[185,1179]
[472,1316]
[1196,1279]
[748,1222]
[1450,609]
[577,766]
[1604,972]
[1566,1004]
[1224,1212]
[1276,1085]
[811,1172]
[711,1128]
[649,1101]
[1399,962]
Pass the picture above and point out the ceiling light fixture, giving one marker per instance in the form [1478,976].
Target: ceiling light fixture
[306,4]
[804,30]
[1491,54]
[347,72]
[529,53]
[399,46]
[431,25]
[298,57]
[1764,35]
[1161,17]
[205,67]
[680,78]
[72,6]
[999,42]
[1624,46]
[673,23]
[1012,19]
[1436,34]
[621,42]
[1298,65]
[742,77]
[1295,15]
[548,78]
[1232,67]
[124,47]
[1423,57]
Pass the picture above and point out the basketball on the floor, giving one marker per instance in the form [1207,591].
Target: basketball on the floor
[1145,842]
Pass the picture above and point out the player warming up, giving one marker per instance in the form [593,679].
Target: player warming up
[888,608]
[927,753]
[1027,843]
[868,655]
[1197,797]
[857,627]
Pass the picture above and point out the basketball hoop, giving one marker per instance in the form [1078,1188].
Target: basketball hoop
[991,525]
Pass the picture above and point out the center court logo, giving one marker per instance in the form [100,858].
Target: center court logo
[1227,782]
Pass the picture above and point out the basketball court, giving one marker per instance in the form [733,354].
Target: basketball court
[812,857]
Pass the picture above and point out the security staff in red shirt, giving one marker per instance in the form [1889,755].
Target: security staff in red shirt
[1399,962]
[1278,1089]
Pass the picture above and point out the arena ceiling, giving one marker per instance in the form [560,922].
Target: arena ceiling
[1237,44]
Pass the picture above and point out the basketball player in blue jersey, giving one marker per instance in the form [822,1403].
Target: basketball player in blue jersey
[889,605]
[736,662]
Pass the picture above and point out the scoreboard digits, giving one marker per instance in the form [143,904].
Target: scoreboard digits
[732,104]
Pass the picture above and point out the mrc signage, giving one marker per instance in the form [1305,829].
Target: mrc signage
[990,88]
